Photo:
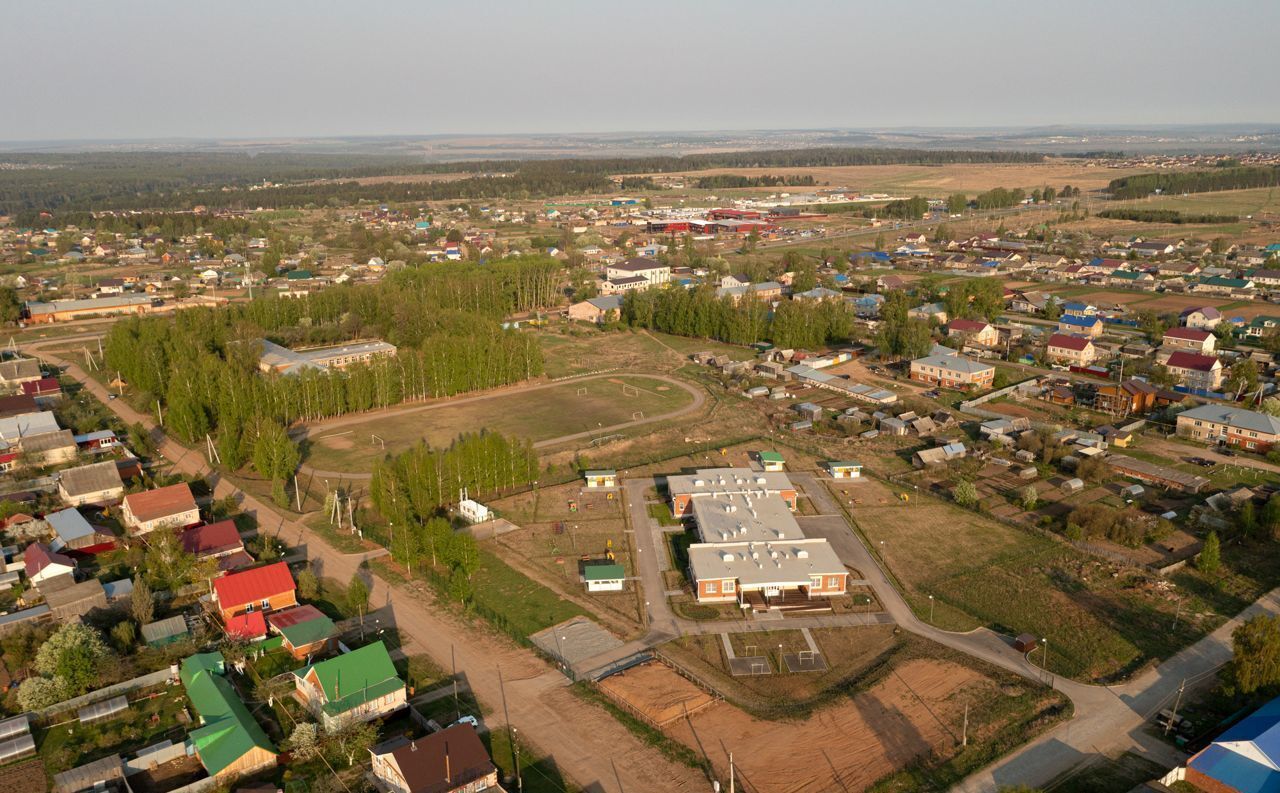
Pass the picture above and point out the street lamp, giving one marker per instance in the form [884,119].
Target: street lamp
[1044,659]
[931,609]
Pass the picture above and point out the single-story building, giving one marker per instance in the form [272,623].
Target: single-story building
[450,761]
[229,742]
[97,483]
[164,507]
[219,540]
[843,469]
[770,461]
[304,630]
[604,577]
[361,684]
[75,535]
[42,564]
[600,478]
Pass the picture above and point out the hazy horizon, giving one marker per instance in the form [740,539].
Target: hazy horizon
[136,71]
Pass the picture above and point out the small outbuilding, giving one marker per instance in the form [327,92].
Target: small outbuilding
[600,478]
[604,577]
[843,469]
[770,461]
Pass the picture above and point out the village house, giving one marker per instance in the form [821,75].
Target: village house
[599,310]
[49,448]
[450,761]
[67,310]
[164,507]
[1188,339]
[843,469]
[974,332]
[76,536]
[1070,350]
[97,483]
[220,540]
[1203,318]
[953,371]
[1091,326]
[262,589]
[1195,371]
[1221,285]
[41,564]
[304,631]
[229,742]
[1268,278]
[361,685]
[928,311]
[1131,396]
[15,372]
[1230,426]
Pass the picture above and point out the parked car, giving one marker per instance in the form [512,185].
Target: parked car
[1200,461]
[472,720]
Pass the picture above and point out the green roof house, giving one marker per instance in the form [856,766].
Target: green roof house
[359,685]
[771,461]
[229,742]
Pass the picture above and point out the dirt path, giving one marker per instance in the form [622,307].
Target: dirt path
[586,743]
[304,431]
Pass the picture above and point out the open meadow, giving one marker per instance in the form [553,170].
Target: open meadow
[535,414]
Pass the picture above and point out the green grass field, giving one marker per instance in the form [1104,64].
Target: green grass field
[984,573]
[536,415]
[1225,202]
[521,604]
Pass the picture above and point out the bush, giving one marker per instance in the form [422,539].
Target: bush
[965,494]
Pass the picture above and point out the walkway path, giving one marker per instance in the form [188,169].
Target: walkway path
[311,429]
[586,743]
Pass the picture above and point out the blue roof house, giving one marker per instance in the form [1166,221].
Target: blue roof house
[1245,758]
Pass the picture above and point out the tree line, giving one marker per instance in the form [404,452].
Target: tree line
[699,313]
[1165,216]
[726,181]
[1143,185]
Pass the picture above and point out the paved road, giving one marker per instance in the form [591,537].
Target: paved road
[585,742]
[314,428]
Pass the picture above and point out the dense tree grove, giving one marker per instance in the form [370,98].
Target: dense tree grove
[1173,182]
[900,336]
[912,208]
[724,181]
[699,313]
[202,365]
[155,180]
[1164,216]
[999,198]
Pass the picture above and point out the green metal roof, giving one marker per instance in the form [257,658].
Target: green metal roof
[844,464]
[229,730]
[354,678]
[309,632]
[600,472]
[771,457]
[604,572]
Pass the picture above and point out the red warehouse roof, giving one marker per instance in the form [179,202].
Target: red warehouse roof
[252,586]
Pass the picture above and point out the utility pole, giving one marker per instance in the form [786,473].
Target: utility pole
[297,493]
[453,673]
[159,413]
[502,686]
[1177,702]
[964,734]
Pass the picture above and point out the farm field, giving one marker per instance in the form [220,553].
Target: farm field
[908,715]
[1259,201]
[984,573]
[1163,303]
[942,180]
[535,415]
[583,349]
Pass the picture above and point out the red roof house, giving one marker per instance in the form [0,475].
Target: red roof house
[44,387]
[221,541]
[261,589]
[251,626]
[164,507]
[41,564]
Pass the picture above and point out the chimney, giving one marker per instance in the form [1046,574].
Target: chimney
[413,746]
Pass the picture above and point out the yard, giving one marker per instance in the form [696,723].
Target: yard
[151,717]
[1101,622]
[514,602]
[538,414]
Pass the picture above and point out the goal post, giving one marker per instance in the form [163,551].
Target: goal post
[637,416]
[582,390]
[630,390]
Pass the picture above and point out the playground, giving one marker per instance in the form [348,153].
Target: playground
[593,407]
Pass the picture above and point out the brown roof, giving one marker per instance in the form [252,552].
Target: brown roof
[161,502]
[1191,360]
[422,761]
[1077,343]
[90,478]
[212,538]
[17,404]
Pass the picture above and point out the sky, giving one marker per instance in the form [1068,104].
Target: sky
[129,69]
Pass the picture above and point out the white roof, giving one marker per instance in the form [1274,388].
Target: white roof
[715,481]
[756,565]
[14,427]
[741,517]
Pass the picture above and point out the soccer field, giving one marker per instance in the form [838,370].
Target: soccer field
[536,414]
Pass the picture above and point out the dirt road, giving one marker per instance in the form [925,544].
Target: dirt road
[586,743]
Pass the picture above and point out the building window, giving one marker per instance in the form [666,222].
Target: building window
[712,588]
[728,587]
[266,604]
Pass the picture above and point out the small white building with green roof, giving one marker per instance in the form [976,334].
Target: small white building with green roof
[361,685]
[604,577]
[844,469]
[771,461]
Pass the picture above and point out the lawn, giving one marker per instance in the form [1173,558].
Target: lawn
[149,718]
[565,409]
[980,572]
[514,602]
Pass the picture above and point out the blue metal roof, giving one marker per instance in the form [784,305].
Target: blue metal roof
[1083,322]
[1244,757]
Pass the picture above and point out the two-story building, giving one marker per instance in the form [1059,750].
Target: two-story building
[953,371]
[361,685]
[1230,426]
[1188,339]
[168,507]
[973,331]
[1070,350]
[1195,371]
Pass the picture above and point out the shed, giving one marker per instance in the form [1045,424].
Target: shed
[1025,642]
[601,477]
[77,600]
[844,469]
[90,775]
[604,577]
[1073,485]
[166,631]
[771,461]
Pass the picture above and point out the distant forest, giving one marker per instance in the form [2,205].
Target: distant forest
[1173,183]
[62,183]
[1164,216]
[725,181]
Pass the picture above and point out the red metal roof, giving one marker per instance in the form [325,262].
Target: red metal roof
[37,557]
[1191,360]
[295,616]
[45,385]
[250,625]
[252,586]
[1190,334]
[212,538]
[1077,343]
[967,325]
